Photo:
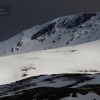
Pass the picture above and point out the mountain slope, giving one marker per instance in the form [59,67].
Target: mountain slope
[53,86]
[36,72]
[82,58]
[61,32]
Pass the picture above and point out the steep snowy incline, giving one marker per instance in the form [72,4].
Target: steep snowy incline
[82,58]
[61,32]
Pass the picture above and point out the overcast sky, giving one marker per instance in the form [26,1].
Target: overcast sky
[27,13]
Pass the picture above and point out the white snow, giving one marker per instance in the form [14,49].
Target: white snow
[89,96]
[55,50]
[70,59]
[29,57]
[59,35]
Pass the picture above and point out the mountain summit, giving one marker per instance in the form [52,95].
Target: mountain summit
[61,32]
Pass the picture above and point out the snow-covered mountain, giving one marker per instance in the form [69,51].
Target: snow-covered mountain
[55,36]
[82,58]
[58,60]
[60,32]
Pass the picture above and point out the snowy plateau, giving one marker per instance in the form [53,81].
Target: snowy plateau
[59,60]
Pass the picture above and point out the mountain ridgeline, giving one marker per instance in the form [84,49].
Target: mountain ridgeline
[61,32]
